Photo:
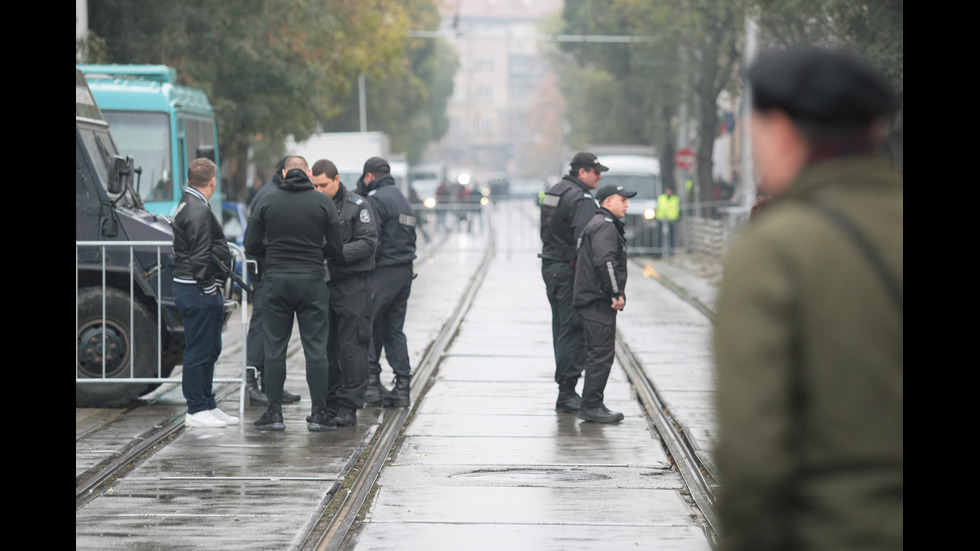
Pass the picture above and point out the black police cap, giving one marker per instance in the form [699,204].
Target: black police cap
[585,159]
[608,191]
[814,84]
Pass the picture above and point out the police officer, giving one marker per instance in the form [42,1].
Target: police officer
[198,241]
[599,293]
[294,229]
[350,296]
[391,282]
[565,210]
[809,324]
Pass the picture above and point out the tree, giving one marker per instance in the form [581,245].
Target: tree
[686,51]
[405,98]
[272,68]
[873,29]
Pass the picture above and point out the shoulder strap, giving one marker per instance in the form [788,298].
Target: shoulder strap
[852,231]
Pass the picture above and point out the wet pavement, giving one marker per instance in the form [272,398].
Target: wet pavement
[485,463]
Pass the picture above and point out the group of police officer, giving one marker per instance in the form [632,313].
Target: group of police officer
[583,264]
[339,261]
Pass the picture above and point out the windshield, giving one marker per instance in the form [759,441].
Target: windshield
[146,137]
[101,150]
[645,185]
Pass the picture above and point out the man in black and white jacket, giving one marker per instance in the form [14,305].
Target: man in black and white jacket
[198,241]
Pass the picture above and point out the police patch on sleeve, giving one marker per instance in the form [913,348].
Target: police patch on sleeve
[365,216]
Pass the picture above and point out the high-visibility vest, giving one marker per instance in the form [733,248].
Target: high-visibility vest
[668,207]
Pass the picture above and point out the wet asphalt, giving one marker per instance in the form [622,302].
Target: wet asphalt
[485,463]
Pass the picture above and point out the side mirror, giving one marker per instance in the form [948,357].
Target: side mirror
[121,174]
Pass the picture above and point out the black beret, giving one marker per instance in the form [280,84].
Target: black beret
[814,84]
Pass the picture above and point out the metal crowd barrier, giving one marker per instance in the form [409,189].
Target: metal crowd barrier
[151,247]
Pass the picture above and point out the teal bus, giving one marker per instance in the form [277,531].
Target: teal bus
[161,124]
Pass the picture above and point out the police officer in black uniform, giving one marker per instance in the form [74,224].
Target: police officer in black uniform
[600,283]
[565,210]
[391,282]
[350,296]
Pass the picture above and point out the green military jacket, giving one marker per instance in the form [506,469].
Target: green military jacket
[809,352]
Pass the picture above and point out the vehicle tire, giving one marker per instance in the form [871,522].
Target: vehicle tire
[122,346]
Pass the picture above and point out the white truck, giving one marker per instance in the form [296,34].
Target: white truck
[636,168]
[347,150]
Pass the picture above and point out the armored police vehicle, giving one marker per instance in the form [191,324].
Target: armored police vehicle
[118,296]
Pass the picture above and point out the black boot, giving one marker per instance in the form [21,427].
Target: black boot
[600,414]
[568,400]
[375,393]
[345,417]
[399,395]
[255,394]
[287,397]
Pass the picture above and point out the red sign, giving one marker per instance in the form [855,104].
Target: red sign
[684,158]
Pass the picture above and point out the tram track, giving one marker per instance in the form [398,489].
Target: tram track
[352,503]
[684,452]
[337,517]
[94,480]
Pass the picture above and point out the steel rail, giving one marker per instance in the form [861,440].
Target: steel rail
[683,454]
[91,482]
[338,527]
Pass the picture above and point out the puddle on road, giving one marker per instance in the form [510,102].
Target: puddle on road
[532,475]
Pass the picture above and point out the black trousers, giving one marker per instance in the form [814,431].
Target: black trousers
[390,288]
[306,299]
[599,327]
[350,337]
[255,340]
[566,329]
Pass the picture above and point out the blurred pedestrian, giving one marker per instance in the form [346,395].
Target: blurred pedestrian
[255,357]
[599,293]
[809,326]
[565,210]
[198,242]
[294,228]
[350,296]
[668,213]
[391,283]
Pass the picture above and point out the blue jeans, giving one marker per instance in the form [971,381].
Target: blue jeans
[203,320]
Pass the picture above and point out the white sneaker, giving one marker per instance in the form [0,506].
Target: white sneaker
[222,416]
[203,420]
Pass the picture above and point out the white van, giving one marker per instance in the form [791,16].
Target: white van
[639,173]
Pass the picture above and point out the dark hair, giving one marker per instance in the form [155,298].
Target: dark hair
[324,166]
[200,172]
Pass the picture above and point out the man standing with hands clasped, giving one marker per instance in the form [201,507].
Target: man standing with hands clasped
[600,281]
[199,242]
